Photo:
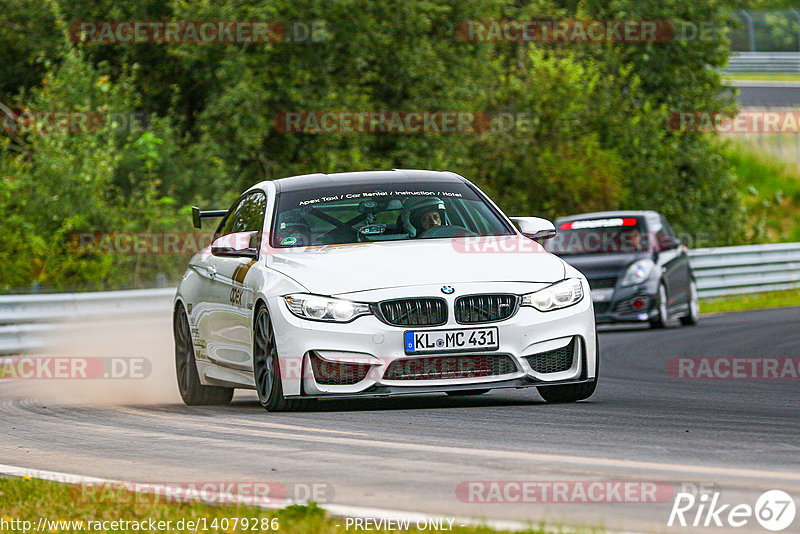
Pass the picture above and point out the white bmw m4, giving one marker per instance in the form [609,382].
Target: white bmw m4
[379,283]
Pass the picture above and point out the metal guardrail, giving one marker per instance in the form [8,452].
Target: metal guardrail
[746,269]
[26,321]
[767,62]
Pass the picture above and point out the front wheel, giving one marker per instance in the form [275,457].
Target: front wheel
[266,368]
[694,306]
[192,391]
[660,321]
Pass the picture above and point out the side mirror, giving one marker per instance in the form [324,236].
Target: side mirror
[237,244]
[534,227]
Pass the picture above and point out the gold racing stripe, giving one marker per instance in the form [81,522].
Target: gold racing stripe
[241,271]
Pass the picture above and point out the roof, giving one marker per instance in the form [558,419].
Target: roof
[395,176]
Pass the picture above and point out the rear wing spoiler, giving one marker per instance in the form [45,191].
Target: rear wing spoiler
[198,216]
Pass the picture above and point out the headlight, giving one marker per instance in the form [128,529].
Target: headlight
[559,295]
[638,272]
[320,308]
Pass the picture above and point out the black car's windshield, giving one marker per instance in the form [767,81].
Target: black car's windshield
[382,212]
[610,235]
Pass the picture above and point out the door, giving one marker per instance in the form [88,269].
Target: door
[234,253]
[673,262]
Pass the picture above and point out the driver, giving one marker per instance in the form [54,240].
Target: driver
[421,214]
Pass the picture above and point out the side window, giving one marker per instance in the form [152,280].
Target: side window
[667,228]
[240,231]
[250,214]
[665,236]
[226,226]
[246,216]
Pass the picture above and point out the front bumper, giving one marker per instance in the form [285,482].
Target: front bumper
[369,342]
[622,308]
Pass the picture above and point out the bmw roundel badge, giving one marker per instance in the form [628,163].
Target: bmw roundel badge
[448,290]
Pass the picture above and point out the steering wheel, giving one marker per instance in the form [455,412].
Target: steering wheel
[446,231]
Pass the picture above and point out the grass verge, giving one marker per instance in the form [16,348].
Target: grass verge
[752,301]
[769,188]
[66,508]
[763,76]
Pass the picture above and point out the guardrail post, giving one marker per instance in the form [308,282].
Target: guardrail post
[797,16]
[750,29]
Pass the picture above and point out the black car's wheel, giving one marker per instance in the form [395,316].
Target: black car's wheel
[573,392]
[466,392]
[660,321]
[192,391]
[266,368]
[693,314]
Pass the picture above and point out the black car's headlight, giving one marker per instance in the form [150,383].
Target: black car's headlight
[557,296]
[638,272]
[319,308]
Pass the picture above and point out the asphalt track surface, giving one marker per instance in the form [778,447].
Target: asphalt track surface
[768,94]
[738,437]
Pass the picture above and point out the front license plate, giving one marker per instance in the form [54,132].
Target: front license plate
[471,339]
[602,295]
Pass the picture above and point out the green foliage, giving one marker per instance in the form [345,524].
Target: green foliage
[770,193]
[589,120]
[774,30]
[549,160]
[67,183]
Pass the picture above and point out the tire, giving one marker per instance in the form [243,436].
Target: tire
[693,314]
[266,368]
[192,391]
[572,392]
[660,321]
[467,392]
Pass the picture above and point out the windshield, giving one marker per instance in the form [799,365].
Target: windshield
[615,235]
[382,212]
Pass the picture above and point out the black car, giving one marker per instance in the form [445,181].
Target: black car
[637,268]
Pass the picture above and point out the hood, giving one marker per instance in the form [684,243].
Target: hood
[338,269]
[594,266]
